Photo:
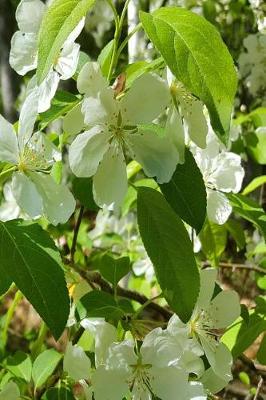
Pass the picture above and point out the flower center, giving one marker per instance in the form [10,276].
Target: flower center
[32,161]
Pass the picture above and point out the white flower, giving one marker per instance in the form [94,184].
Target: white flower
[99,20]
[76,363]
[143,372]
[32,156]
[222,173]
[186,118]
[9,209]
[10,392]
[100,151]
[210,316]
[24,51]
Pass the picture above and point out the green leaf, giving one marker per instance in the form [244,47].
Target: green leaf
[105,57]
[186,193]
[194,51]
[114,269]
[60,20]
[58,394]
[30,258]
[256,146]
[82,190]
[261,355]
[44,366]
[5,283]
[213,241]
[20,365]
[237,232]
[249,210]
[101,304]
[168,245]
[254,184]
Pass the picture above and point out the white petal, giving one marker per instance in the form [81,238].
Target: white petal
[76,32]
[26,195]
[90,80]
[87,151]
[146,99]
[196,391]
[73,122]
[8,142]
[102,108]
[76,363]
[27,118]
[111,192]
[168,382]
[158,156]
[43,147]
[122,355]
[9,209]
[10,392]
[218,207]
[23,53]
[175,132]
[228,175]
[195,121]
[47,90]
[67,63]
[110,384]
[58,202]
[207,284]
[219,357]
[104,335]
[212,382]
[224,309]
[29,15]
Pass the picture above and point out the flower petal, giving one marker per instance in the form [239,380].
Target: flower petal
[196,391]
[154,95]
[58,202]
[87,151]
[101,108]
[47,90]
[23,53]
[110,384]
[218,207]
[111,192]
[157,155]
[8,142]
[67,63]
[168,382]
[27,118]
[212,382]
[175,132]
[195,121]
[219,357]
[29,15]
[90,80]
[76,363]
[9,209]
[26,195]
[207,284]
[76,31]
[224,309]
[228,175]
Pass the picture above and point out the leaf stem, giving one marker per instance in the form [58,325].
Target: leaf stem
[3,174]
[10,313]
[76,232]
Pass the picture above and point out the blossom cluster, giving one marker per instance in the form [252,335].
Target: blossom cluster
[167,361]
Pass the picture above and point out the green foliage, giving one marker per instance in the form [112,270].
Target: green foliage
[31,260]
[58,394]
[169,247]
[82,189]
[197,56]
[60,20]
[213,241]
[19,365]
[101,305]
[114,269]
[186,193]
[44,366]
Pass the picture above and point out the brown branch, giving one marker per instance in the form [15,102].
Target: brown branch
[258,389]
[252,268]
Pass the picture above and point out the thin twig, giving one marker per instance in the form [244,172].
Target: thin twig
[76,232]
[252,268]
[258,389]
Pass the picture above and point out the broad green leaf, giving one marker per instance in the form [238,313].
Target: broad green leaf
[114,269]
[10,392]
[256,146]
[254,184]
[58,394]
[5,283]
[257,116]
[261,355]
[168,245]
[186,193]
[101,304]
[237,232]
[44,366]
[82,189]
[249,210]
[31,260]
[60,20]
[213,241]
[194,51]
[20,365]
[105,57]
